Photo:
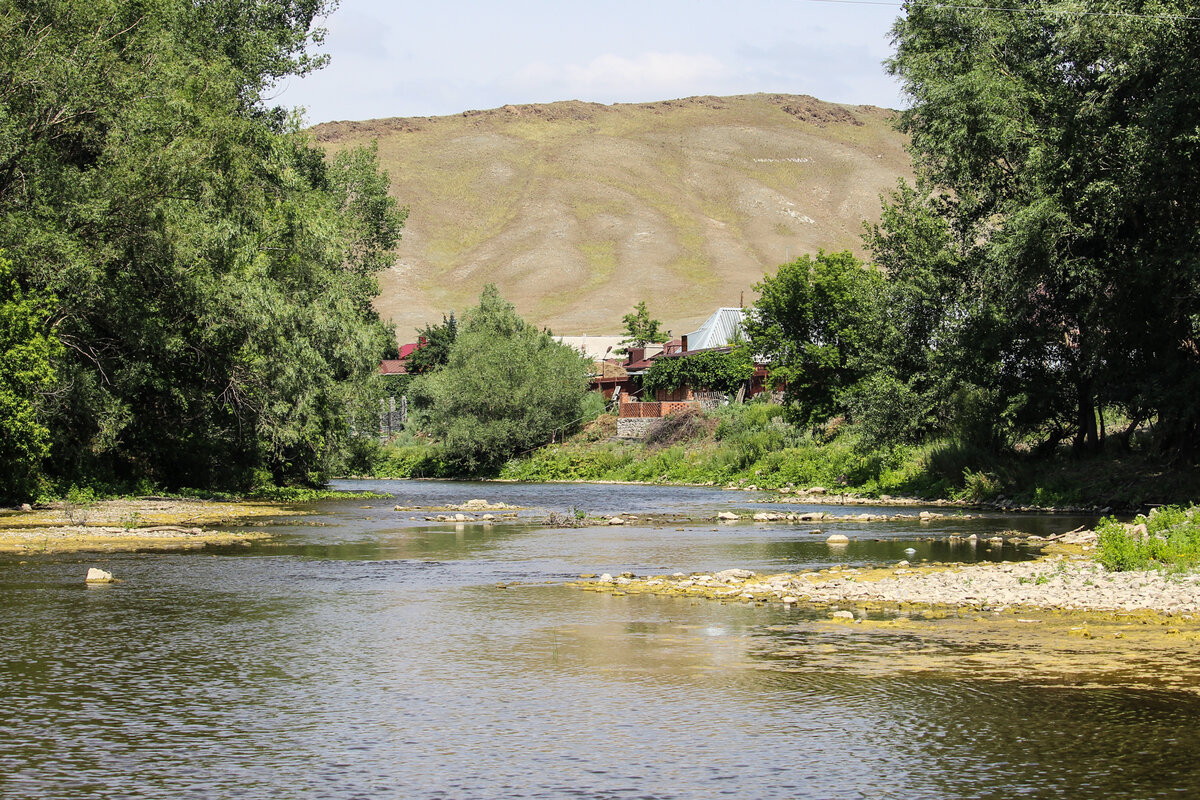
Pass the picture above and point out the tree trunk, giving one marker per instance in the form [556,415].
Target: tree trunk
[1085,430]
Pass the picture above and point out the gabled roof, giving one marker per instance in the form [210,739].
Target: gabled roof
[719,330]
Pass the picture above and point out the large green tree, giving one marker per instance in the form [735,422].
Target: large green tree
[507,387]
[213,269]
[811,322]
[27,347]
[1062,139]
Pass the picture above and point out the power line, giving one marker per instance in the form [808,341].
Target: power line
[1011,10]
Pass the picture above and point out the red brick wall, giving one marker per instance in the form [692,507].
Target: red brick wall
[638,409]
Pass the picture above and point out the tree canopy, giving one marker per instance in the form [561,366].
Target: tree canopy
[812,322]
[1059,144]
[507,387]
[211,270]
[435,341]
[640,329]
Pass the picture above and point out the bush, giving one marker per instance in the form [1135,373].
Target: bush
[1170,538]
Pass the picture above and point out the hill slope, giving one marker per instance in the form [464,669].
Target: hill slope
[578,210]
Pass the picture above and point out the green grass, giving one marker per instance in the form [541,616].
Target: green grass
[754,444]
[1169,539]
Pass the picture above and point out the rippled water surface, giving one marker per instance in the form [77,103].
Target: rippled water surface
[369,653]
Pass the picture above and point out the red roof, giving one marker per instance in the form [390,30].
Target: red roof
[396,366]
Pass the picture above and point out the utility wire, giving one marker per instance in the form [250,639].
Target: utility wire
[1010,9]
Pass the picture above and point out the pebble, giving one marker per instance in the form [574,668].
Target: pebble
[1063,582]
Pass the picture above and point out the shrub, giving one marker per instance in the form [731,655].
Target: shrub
[1170,538]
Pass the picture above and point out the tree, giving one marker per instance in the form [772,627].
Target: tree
[212,270]
[640,330]
[434,352]
[506,388]
[1062,139]
[27,348]
[811,322]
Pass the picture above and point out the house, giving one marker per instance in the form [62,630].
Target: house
[719,333]
[623,374]
[396,366]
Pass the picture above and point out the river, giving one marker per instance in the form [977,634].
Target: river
[370,653]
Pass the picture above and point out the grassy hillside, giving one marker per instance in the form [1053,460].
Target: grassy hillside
[577,210]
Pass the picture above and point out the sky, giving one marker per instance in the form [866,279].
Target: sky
[408,59]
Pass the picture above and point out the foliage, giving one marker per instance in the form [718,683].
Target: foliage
[888,411]
[304,494]
[434,352]
[1170,538]
[640,330]
[811,322]
[27,349]
[507,388]
[1063,148]
[212,271]
[710,370]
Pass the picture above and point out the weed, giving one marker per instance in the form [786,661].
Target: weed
[1168,537]
[78,504]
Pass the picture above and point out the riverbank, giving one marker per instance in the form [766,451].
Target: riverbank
[753,446]
[1065,579]
[134,524]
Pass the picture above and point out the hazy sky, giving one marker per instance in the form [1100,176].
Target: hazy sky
[404,59]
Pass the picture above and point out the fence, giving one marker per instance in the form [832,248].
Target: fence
[391,417]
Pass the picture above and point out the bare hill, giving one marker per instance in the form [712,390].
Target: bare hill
[578,210]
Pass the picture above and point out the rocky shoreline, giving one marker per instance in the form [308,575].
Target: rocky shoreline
[1061,581]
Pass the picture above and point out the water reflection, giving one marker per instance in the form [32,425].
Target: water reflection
[372,655]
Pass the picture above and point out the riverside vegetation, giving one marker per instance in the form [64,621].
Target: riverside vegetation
[204,318]
[186,279]
[998,343]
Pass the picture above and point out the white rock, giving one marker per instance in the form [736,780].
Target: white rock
[727,515]
[762,516]
[842,615]
[727,575]
[606,578]
[95,575]
[837,538]
[615,521]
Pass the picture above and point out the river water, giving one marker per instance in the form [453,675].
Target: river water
[369,653]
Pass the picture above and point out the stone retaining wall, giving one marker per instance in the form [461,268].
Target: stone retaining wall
[634,427]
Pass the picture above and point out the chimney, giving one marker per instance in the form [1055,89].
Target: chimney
[683,344]
[636,354]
